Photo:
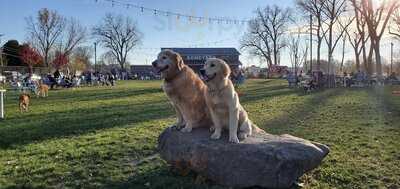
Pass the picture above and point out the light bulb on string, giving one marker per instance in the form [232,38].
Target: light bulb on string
[155,12]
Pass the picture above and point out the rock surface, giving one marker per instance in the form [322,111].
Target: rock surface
[261,160]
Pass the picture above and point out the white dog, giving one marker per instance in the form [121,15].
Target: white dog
[223,102]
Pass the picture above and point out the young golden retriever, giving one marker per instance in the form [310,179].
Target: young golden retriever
[43,90]
[184,89]
[223,102]
[24,102]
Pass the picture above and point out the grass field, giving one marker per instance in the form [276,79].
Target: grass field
[103,137]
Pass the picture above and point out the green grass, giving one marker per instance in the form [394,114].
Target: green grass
[103,137]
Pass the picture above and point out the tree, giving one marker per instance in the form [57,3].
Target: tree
[74,35]
[298,54]
[333,10]
[30,56]
[266,32]
[395,28]
[377,20]
[60,60]
[360,37]
[118,34]
[80,59]
[315,9]
[45,30]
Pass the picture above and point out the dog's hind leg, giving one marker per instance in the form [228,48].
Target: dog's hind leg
[245,129]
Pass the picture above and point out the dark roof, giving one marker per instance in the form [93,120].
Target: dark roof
[142,66]
[205,51]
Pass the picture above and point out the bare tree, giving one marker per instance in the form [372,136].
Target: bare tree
[315,9]
[377,20]
[257,42]
[45,30]
[298,53]
[395,26]
[74,35]
[119,34]
[266,33]
[333,10]
[360,37]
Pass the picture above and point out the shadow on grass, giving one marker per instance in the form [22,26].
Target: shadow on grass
[34,128]
[284,123]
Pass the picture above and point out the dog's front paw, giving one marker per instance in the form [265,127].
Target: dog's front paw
[243,136]
[186,130]
[234,139]
[216,136]
[212,129]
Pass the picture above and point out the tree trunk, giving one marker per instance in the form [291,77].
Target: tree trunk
[378,59]
[369,61]
[357,60]
[30,70]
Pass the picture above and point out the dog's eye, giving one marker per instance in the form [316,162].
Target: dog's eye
[212,65]
[164,57]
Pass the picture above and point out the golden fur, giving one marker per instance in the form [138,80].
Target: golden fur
[24,102]
[43,90]
[223,103]
[184,89]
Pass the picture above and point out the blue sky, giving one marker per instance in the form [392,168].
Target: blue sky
[159,31]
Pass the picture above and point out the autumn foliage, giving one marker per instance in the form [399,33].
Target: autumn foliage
[60,60]
[30,56]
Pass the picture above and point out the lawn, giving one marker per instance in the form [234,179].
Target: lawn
[102,137]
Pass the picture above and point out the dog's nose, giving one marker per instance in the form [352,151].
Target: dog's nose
[202,71]
[154,63]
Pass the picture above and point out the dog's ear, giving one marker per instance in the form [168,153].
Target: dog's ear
[226,71]
[179,60]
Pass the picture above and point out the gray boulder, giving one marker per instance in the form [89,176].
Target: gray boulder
[263,160]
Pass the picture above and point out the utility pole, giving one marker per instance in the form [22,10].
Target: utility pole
[1,51]
[391,58]
[95,56]
[311,42]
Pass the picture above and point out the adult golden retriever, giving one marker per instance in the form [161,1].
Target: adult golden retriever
[223,102]
[24,102]
[184,89]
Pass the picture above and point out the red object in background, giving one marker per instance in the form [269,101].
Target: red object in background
[30,56]
[61,59]
[396,93]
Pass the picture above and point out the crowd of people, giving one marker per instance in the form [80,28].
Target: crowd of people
[60,80]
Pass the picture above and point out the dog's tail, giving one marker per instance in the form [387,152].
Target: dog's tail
[255,129]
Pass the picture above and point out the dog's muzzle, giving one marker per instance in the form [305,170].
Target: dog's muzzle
[206,77]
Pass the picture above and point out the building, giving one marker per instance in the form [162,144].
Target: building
[144,71]
[196,57]
[255,72]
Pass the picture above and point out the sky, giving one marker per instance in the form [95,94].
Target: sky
[158,31]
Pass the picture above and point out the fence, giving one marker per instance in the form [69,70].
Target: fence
[24,69]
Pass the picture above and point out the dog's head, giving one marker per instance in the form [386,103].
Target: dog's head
[215,69]
[168,63]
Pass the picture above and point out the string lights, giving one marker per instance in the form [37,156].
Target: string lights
[178,16]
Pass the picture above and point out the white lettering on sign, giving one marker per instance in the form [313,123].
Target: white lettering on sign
[199,57]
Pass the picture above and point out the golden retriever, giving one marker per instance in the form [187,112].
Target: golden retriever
[43,90]
[24,102]
[223,102]
[184,89]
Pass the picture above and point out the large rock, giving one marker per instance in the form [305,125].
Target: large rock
[262,160]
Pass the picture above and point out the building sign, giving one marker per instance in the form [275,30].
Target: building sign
[199,57]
